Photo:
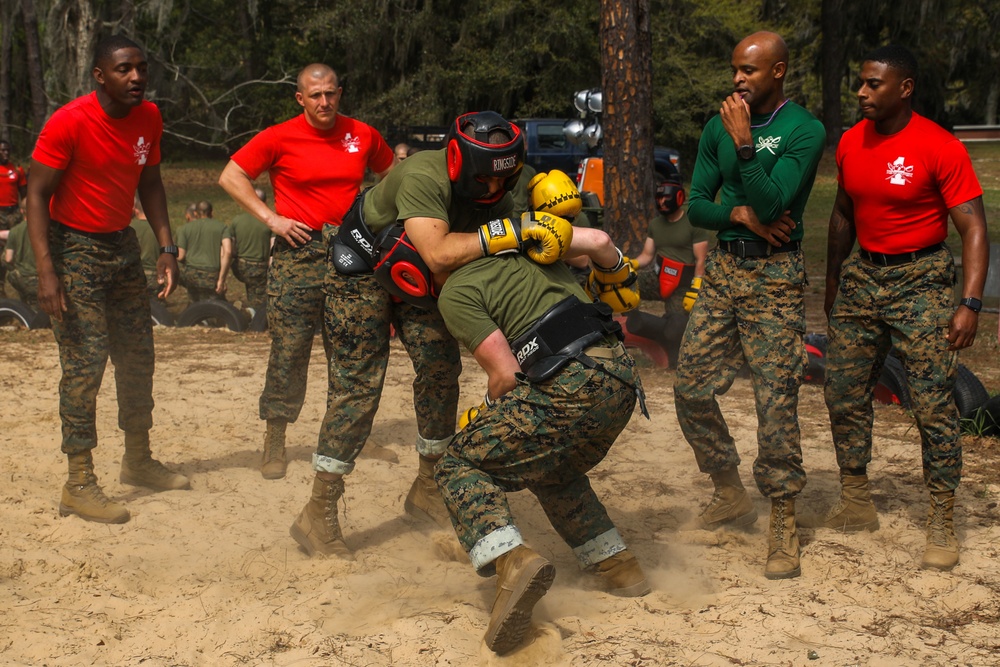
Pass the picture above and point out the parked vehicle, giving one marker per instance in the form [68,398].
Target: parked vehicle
[547,148]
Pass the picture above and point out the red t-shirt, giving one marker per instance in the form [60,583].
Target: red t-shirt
[316,174]
[101,159]
[12,179]
[904,184]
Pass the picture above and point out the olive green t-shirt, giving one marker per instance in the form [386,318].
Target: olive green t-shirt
[419,187]
[519,194]
[19,243]
[251,238]
[505,292]
[149,247]
[202,243]
[673,240]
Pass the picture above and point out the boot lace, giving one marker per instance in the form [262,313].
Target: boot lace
[937,526]
[779,522]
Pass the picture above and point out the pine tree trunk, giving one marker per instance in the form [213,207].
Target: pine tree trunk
[626,45]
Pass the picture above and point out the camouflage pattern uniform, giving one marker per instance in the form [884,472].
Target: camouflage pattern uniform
[750,309]
[357,318]
[9,218]
[908,307]
[253,275]
[200,283]
[542,436]
[294,312]
[107,313]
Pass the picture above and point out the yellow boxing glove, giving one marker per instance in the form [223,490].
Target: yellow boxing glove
[472,414]
[692,293]
[556,193]
[545,237]
[500,236]
[618,287]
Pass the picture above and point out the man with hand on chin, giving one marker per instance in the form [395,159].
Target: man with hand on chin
[761,153]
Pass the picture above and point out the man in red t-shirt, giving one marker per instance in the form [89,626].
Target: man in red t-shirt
[90,159]
[13,184]
[316,162]
[900,177]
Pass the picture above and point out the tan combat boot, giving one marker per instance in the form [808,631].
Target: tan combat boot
[424,499]
[139,468]
[621,575]
[782,541]
[317,529]
[83,497]
[273,464]
[523,577]
[855,510]
[730,504]
[941,552]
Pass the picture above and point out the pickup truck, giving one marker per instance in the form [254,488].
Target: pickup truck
[547,148]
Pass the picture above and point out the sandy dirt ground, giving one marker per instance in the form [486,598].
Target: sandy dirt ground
[210,576]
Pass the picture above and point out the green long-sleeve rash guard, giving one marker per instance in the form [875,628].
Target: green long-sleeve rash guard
[778,179]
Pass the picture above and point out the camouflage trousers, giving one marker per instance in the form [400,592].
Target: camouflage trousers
[26,286]
[749,309]
[907,307]
[294,315]
[8,220]
[357,320]
[543,437]
[107,314]
[253,275]
[200,283]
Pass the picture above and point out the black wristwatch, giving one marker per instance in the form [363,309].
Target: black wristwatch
[972,303]
[745,152]
[168,250]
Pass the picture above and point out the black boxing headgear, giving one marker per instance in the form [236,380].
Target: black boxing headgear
[669,195]
[472,158]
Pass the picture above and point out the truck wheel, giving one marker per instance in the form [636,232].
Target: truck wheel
[258,322]
[21,315]
[213,313]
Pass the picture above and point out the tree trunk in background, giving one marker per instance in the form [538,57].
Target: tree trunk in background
[39,106]
[832,67]
[6,48]
[626,64]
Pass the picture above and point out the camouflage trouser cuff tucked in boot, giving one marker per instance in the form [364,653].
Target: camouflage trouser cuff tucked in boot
[602,547]
[491,547]
[327,464]
[432,449]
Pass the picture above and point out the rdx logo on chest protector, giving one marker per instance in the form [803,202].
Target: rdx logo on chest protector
[527,350]
[357,236]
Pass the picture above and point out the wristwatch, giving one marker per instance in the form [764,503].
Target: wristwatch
[745,152]
[168,250]
[972,303]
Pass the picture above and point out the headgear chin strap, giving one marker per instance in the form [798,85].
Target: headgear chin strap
[472,158]
[669,195]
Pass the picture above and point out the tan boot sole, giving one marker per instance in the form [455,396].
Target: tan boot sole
[509,624]
[337,549]
[65,510]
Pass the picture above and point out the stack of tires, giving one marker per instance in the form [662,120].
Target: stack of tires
[213,313]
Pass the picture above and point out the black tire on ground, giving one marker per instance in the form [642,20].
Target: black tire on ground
[20,314]
[161,316]
[969,392]
[258,322]
[213,313]
[817,340]
[894,389]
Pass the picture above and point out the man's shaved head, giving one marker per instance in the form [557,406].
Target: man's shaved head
[315,72]
[766,43]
